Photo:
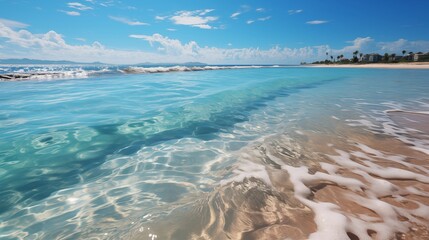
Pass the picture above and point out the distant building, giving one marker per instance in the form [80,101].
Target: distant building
[409,57]
[395,58]
[421,57]
[372,58]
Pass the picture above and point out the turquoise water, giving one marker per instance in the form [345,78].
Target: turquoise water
[93,157]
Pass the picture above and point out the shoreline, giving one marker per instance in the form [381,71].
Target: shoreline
[413,65]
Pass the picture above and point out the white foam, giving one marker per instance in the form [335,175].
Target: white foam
[360,123]
[185,68]
[331,224]
[50,73]
[247,169]
[384,172]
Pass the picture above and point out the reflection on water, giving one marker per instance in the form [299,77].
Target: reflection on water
[296,153]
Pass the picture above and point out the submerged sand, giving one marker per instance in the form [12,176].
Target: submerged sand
[338,182]
[413,65]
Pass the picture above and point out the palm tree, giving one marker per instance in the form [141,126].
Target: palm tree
[326,55]
[403,52]
[393,57]
[409,57]
[386,57]
[355,53]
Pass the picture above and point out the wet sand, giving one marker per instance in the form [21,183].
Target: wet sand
[357,183]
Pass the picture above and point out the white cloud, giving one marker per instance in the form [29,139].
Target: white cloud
[361,44]
[12,24]
[316,22]
[403,44]
[296,11]
[243,9]
[260,9]
[394,46]
[162,18]
[71,13]
[205,11]
[127,21]
[191,51]
[170,46]
[78,6]
[264,18]
[235,15]
[52,46]
[171,29]
[20,43]
[81,39]
[195,18]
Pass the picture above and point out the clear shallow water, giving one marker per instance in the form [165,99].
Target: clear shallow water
[104,156]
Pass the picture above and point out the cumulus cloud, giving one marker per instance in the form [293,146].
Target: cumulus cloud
[127,21]
[191,51]
[12,24]
[170,46]
[295,11]
[317,22]
[78,6]
[195,18]
[260,9]
[18,43]
[52,46]
[403,44]
[361,44]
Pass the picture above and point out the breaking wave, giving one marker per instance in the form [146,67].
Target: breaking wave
[16,73]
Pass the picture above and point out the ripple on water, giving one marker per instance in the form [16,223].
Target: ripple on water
[167,164]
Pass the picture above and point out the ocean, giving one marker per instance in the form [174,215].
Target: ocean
[262,152]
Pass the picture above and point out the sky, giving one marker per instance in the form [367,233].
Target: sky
[210,31]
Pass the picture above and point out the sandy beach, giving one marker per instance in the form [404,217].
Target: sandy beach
[412,65]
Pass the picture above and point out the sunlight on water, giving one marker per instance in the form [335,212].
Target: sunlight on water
[240,153]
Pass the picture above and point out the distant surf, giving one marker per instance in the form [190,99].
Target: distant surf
[47,72]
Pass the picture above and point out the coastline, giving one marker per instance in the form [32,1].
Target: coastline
[413,65]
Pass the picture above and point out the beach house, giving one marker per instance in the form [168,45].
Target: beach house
[421,57]
[372,58]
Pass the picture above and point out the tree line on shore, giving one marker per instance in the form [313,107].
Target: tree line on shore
[359,58]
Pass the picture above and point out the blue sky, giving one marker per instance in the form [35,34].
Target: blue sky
[223,31]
